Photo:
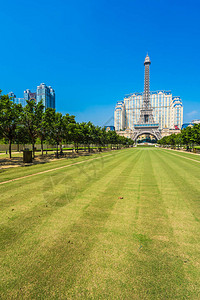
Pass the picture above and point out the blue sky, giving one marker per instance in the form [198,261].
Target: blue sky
[92,51]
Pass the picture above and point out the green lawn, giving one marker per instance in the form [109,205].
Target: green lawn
[123,226]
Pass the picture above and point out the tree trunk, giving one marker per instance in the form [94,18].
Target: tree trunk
[57,150]
[33,149]
[42,146]
[18,147]
[10,142]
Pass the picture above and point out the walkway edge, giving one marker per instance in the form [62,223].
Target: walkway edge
[51,170]
[198,161]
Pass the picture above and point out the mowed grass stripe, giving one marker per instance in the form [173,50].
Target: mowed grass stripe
[30,251]
[59,185]
[185,176]
[131,254]
[187,155]
[97,246]
[157,273]
[13,173]
[183,214]
[39,198]
[47,169]
[106,272]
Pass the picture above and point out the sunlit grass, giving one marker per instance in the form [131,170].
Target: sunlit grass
[125,226]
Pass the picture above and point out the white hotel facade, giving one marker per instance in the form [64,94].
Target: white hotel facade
[167,111]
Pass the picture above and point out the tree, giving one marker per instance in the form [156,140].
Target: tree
[178,140]
[68,121]
[88,133]
[21,135]
[198,134]
[112,138]
[10,115]
[32,120]
[77,135]
[172,140]
[186,135]
[195,138]
[99,137]
[42,131]
[46,127]
[58,127]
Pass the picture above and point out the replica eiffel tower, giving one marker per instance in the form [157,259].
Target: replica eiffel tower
[146,124]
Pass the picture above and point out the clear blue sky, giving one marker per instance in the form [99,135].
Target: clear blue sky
[92,51]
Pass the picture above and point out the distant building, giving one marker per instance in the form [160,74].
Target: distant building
[149,113]
[190,124]
[176,113]
[185,125]
[44,93]
[109,128]
[167,110]
[17,100]
[29,96]
[47,95]
[119,116]
[26,95]
[12,96]
[196,121]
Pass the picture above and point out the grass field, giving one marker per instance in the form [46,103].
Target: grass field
[115,226]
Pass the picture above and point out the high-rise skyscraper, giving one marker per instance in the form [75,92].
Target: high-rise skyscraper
[28,95]
[47,95]
[44,93]
[16,100]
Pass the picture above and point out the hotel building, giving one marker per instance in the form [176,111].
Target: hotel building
[167,110]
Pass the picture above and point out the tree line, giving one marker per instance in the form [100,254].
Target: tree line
[23,125]
[188,137]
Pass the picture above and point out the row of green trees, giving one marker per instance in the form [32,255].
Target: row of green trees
[23,125]
[189,137]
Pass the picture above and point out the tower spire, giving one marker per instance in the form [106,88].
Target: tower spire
[146,124]
[146,112]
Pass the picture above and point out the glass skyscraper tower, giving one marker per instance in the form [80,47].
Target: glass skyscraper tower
[44,93]
[47,95]
[16,100]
